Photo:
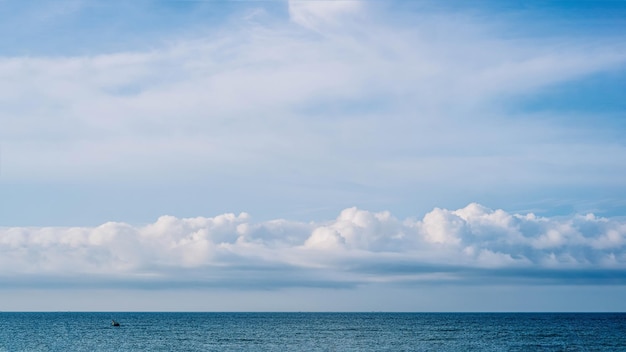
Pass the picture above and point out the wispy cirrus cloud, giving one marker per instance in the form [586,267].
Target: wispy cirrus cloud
[270,87]
[319,15]
[332,100]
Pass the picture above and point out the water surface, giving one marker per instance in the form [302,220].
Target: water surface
[313,332]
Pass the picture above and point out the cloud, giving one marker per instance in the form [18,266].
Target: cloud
[469,245]
[318,14]
[279,93]
[335,105]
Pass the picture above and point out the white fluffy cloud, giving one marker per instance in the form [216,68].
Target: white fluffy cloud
[357,247]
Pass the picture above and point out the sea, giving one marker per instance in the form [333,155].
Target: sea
[70,331]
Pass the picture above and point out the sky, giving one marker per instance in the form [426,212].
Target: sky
[305,155]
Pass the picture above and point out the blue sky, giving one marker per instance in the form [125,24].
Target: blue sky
[355,148]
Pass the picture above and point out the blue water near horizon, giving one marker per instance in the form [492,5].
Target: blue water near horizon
[70,331]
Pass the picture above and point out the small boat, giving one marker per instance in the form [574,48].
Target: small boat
[114,323]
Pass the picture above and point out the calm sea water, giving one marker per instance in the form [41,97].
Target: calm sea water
[312,332]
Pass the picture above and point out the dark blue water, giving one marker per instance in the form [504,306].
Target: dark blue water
[312,332]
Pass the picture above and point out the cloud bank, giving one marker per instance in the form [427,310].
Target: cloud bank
[469,245]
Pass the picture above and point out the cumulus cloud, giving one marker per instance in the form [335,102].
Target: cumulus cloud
[358,247]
